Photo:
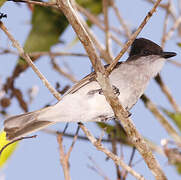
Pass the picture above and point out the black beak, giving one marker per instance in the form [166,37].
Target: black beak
[168,54]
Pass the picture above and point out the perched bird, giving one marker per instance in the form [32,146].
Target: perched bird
[85,101]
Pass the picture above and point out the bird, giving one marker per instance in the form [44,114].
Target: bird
[85,102]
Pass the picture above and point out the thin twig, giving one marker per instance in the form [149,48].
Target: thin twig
[40,3]
[178,64]
[167,93]
[172,29]
[165,6]
[97,169]
[121,20]
[168,127]
[130,162]
[114,150]
[73,142]
[53,54]
[133,36]
[63,159]
[16,140]
[73,18]
[61,72]
[115,158]
[95,20]
[153,147]
[26,57]
[103,53]
[44,53]
[105,4]
[163,41]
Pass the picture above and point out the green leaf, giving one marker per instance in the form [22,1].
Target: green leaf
[178,167]
[94,6]
[175,116]
[47,25]
[8,151]
[2,2]
[179,44]
[115,132]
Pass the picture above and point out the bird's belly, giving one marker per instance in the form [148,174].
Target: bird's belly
[85,106]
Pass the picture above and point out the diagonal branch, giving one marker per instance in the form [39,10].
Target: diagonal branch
[167,93]
[133,36]
[115,158]
[73,18]
[168,127]
[27,58]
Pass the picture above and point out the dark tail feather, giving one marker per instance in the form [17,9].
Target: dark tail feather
[22,125]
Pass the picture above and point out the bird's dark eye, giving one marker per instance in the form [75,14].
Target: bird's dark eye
[146,52]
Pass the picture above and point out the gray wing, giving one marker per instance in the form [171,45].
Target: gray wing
[87,79]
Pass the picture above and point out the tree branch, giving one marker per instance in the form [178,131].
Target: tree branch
[73,18]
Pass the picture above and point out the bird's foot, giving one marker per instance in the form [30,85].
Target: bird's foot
[115,90]
[129,114]
[2,15]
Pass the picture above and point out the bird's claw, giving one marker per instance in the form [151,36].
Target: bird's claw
[129,114]
[115,90]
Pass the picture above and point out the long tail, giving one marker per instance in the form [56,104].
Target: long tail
[21,125]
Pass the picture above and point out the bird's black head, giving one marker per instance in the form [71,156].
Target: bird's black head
[145,47]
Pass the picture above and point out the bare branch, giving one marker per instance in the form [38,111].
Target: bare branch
[97,169]
[73,142]
[115,158]
[165,6]
[130,162]
[121,20]
[60,71]
[105,4]
[178,64]
[95,20]
[114,150]
[16,140]
[133,36]
[26,57]
[163,41]
[170,130]
[172,29]
[166,91]
[63,159]
[40,3]
[102,79]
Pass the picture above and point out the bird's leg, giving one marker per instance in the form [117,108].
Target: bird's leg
[2,15]
[115,90]
[129,114]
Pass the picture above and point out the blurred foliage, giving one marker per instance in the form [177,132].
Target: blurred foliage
[94,6]
[175,116]
[2,2]
[179,44]
[48,24]
[115,132]
[7,152]
[178,167]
